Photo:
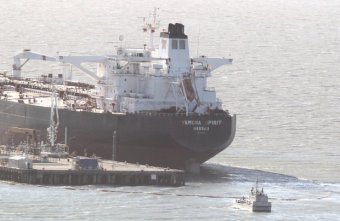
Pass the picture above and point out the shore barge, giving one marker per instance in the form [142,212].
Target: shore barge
[62,172]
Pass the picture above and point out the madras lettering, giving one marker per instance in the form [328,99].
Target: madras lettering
[201,128]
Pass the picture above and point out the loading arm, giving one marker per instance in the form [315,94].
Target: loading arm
[28,55]
[77,60]
[74,60]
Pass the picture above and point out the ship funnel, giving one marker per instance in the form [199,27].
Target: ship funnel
[174,47]
[176,31]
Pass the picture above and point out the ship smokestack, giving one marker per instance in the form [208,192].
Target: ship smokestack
[174,46]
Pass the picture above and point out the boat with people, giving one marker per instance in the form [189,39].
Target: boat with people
[257,201]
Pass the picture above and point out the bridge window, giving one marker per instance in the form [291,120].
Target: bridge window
[174,44]
[163,44]
[181,44]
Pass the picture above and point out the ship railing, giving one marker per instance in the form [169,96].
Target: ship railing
[201,73]
[157,114]
[46,93]
[225,113]
[212,89]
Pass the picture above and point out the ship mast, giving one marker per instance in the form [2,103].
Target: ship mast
[151,26]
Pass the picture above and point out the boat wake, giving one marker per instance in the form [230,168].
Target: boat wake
[222,173]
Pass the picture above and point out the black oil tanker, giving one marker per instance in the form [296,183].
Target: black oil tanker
[162,139]
[149,105]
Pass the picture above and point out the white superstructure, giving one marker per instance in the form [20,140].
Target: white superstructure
[147,79]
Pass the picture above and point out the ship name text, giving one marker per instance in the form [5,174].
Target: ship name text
[201,126]
[202,123]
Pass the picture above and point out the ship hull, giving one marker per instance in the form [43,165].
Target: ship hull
[161,139]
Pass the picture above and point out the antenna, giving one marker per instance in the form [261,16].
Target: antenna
[121,39]
[152,26]
[198,41]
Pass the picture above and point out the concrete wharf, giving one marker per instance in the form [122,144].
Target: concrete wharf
[114,173]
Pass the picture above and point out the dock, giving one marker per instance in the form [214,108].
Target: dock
[62,172]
